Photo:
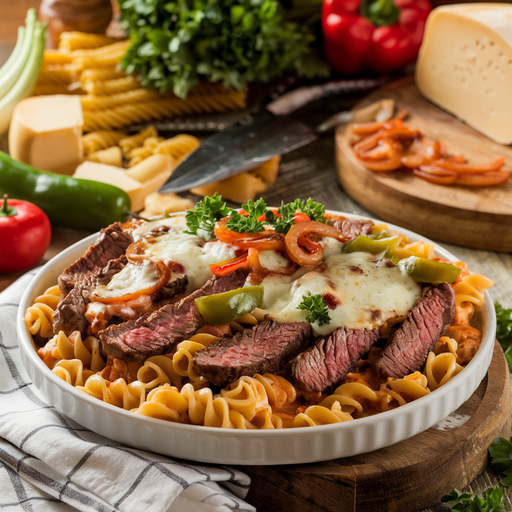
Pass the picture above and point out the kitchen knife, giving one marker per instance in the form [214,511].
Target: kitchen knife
[241,148]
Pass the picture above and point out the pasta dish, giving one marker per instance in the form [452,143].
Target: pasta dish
[258,318]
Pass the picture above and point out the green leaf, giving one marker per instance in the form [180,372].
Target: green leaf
[317,308]
[201,220]
[490,501]
[248,223]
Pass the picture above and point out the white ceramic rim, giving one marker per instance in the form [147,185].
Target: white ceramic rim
[249,447]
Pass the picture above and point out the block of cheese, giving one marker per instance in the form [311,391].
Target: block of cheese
[118,177]
[46,132]
[465,65]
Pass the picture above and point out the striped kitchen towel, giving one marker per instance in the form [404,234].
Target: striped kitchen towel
[49,462]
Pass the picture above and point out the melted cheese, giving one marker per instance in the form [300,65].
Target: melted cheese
[190,251]
[273,260]
[367,293]
[133,278]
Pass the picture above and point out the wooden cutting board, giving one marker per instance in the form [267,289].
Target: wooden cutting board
[473,217]
[407,476]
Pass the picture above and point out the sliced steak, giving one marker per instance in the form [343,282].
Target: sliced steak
[330,359]
[70,313]
[159,332]
[409,344]
[350,228]
[111,244]
[262,349]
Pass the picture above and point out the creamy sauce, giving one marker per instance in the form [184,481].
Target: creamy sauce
[364,293]
[133,277]
[190,251]
[273,261]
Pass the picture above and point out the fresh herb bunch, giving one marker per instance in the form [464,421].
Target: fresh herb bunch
[490,501]
[249,223]
[500,451]
[201,220]
[315,211]
[177,43]
[504,331]
[317,308]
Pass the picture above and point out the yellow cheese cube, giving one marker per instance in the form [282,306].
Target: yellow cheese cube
[46,132]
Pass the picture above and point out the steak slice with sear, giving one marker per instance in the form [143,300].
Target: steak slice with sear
[159,332]
[70,313]
[330,359]
[409,344]
[350,228]
[111,244]
[262,349]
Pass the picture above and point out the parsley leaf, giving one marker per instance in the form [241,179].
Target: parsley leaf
[504,331]
[201,220]
[250,223]
[315,211]
[317,308]
[177,44]
[500,451]
[490,501]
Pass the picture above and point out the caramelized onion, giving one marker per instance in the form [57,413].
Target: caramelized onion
[301,229]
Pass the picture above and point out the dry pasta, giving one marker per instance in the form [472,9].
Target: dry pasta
[75,40]
[137,140]
[95,141]
[125,115]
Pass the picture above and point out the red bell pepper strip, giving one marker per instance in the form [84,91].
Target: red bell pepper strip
[380,35]
[227,266]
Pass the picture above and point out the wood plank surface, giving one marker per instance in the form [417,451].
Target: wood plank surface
[409,475]
[479,217]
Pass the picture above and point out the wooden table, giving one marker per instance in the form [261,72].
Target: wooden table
[308,172]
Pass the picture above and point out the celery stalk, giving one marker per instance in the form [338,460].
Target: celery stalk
[14,55]
[8,80]
[27,79]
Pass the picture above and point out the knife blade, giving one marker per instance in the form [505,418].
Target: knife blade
[239,149]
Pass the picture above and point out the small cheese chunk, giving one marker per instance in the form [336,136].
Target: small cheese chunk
[118,177]
[465,65]
[46,132]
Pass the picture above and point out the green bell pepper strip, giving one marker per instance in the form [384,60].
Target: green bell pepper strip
[226,307]
[429,271]
[361,243]
[68,202]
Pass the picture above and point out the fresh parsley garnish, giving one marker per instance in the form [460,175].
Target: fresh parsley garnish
[201,220]
[249,223]
[315,211]
[500,451]
[504,331]
[317,308]
[490,501]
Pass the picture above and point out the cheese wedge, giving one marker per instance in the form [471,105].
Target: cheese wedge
[118,177]
[46,132]
[465,65]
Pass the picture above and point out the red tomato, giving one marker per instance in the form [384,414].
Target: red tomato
[25,234]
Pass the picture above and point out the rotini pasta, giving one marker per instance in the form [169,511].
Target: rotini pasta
[173,386]
[124,115]
[129,143]
[96,141]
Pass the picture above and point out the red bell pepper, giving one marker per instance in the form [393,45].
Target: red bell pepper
[380,35]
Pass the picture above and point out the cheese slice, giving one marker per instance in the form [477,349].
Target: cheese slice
[46,132]
[465,65]
[119,177]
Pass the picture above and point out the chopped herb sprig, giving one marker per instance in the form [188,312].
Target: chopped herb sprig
[249,223]
[504,331]
[315,211]
[317,308]
[490,501]
[201,220]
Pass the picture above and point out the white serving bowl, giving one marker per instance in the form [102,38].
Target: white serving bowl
[258,447]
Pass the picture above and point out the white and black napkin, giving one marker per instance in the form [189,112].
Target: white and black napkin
[49,462]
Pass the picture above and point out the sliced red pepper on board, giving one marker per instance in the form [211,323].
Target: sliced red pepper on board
[381,35]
